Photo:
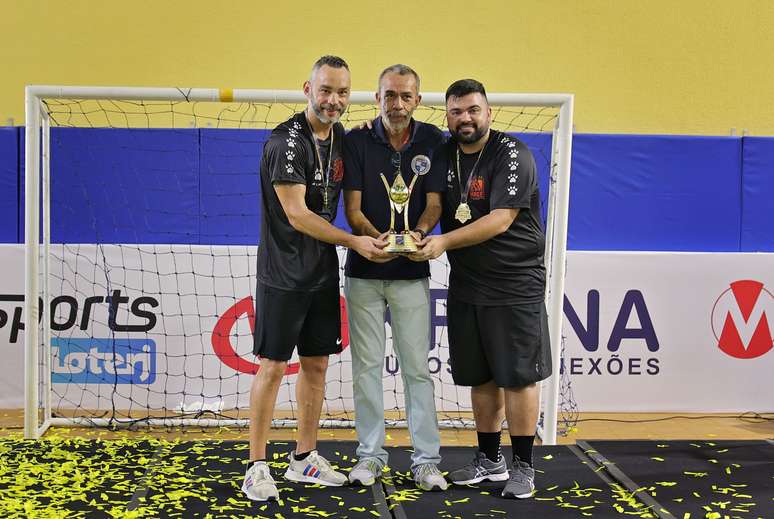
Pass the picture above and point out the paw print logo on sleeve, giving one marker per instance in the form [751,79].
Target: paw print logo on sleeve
[291,143]
[513,165]
[512,188]
[290,155]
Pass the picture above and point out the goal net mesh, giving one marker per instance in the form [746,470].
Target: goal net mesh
[154,219]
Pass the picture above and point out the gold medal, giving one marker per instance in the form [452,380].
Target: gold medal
[463,214]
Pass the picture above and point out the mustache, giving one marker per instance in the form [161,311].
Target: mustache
[330,106]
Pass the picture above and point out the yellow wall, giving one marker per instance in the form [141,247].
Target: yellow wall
[659,66]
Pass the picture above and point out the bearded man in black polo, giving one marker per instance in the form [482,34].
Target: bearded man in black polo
[498,330]
[297,295]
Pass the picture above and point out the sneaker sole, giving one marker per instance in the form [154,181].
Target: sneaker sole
[434,488]
[268,498]
[296,477]
[490,477]
[518,496]
[362,482]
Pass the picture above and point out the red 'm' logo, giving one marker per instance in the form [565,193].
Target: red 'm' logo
[742,315]
[226,352]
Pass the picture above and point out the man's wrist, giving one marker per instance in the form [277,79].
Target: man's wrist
[420,232]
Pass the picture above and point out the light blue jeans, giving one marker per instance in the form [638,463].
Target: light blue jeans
[409,303]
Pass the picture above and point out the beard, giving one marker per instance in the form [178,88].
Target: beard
[319,111]
[397,123]
[468,138]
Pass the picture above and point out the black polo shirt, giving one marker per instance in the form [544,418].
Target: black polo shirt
[289,259]
[367,152]
[507,268]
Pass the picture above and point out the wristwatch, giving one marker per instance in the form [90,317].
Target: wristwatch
[422,233]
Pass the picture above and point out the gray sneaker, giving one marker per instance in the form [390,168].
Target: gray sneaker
[521,484]
[429,478]
[258,484]
[365,472]
[313,469]
[480,469]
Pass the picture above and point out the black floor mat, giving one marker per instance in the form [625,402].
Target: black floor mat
[200,478]
[77,477]
[565,487]
[153,478]
[705,479]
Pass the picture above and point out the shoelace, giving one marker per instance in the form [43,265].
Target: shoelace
[316,459]
[373,466]
[519,476]
[427,469]
[262,473]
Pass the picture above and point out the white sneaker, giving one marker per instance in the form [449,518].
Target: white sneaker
[313,469]
[429,478]
[365,472]
[258,484]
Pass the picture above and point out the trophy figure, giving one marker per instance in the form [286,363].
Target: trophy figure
[399,195]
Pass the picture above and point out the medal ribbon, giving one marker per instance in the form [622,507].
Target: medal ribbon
[464,194]
[327,174]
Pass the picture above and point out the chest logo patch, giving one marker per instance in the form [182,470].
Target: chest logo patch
[477,191]
[420,164]
[338,170]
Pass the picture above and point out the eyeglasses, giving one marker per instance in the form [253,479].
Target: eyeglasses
[395,159]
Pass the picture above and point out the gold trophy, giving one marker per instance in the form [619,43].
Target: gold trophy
[399,194]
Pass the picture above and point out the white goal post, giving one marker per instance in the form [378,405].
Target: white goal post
[39,413]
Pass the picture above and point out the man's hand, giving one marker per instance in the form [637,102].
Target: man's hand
[371,249]
[365,124]
[429,248]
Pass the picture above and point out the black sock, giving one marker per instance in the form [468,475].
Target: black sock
[253,462]
[489,444]
[522,448]
[300,457]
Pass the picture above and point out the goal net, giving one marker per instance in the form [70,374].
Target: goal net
[142,220]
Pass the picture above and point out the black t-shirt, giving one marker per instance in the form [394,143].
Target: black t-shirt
[368,153]
[287,258]
[508,268]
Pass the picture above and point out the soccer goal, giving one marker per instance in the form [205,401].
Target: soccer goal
[142,211]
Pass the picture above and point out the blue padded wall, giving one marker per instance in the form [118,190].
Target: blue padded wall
[649,193]
[9,185]
[758,194]
[125,186]
[230,190]
[629,192]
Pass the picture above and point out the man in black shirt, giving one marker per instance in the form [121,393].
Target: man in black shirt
[297,295]
[498,330]
[395,148]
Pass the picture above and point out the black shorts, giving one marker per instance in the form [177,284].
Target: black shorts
[285,319]
[507,344]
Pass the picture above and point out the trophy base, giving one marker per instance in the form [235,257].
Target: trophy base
[400,243]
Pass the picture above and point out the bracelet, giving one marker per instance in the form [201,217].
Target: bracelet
[422,233]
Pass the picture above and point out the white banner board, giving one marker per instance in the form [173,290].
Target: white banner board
[170,326]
